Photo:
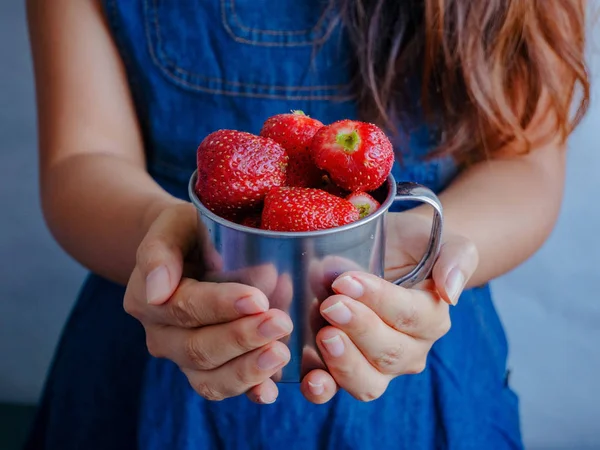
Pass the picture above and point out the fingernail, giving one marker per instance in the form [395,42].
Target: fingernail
[334,345]
[157,285]
[349,286]
[274,328]
[251,305]
[267,398]
[270,359]
[339,313]
[316,388]
[455,282]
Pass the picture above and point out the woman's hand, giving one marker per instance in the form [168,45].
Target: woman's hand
[223,336]
[379,330]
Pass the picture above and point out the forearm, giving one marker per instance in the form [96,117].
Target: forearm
[99,207]
[507,208]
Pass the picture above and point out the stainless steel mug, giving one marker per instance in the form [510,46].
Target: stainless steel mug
[295,270]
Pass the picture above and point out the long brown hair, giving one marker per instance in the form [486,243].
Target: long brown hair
[484,66]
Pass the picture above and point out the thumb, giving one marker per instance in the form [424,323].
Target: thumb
[161,253]
[454,267]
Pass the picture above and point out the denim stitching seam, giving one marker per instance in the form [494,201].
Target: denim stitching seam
[240,25]
[193,86]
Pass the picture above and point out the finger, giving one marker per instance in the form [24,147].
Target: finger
[283,293]
[265,393]
[388,350]
[318,387]
[322,273]
[263,277]
[210,347]
[335,265]
[417,312]
[315,320]
[319,288]
[197,304]
[454,267]
[310,359]
[282,296]
[161,253]
[241,374]
[348,366]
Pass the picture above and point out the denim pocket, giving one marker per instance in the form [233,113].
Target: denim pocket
[287,24]
[285,50]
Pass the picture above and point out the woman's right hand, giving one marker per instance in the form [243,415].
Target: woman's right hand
[223,336]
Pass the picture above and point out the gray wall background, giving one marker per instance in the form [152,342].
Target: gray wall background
[550,305]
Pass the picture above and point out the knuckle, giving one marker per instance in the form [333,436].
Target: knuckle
[368,396]
[198,355]
[207,391]
[361,332]
[373,393]
[243,376]
[362,327]
[345,372]
[417,367]
[180,311]
[147,249]
[407,319]
[241,339]
[387,361]
[182,307]
[377,300]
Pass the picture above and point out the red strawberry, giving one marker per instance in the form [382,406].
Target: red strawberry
[365,204]
[358,156]
[252,221]
[236,170]
[305,209]
[294,132]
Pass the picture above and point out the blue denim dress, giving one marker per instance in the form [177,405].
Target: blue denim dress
[195,66]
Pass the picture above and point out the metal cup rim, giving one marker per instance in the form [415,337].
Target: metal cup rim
[391,182]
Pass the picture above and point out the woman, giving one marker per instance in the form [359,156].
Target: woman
[476,96]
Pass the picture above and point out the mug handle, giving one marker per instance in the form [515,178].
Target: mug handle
[407,191]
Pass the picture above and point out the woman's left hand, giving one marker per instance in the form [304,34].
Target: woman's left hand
[378,330]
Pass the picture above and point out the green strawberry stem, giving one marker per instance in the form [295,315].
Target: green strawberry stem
[298,112]
[363,210]
[349,141]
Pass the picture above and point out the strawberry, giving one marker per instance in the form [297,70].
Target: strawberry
[294,132]
[305,209]
[365,204]
[252,221]
[236,170]
[357,156]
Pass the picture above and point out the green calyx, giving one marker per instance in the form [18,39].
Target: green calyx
[363,210]
[348,141]
[298,112]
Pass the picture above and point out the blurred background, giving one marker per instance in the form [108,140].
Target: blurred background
[550,305]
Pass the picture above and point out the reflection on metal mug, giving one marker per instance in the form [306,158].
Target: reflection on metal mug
[295,270]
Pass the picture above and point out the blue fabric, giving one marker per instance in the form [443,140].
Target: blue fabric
[194,67]
[461,401]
